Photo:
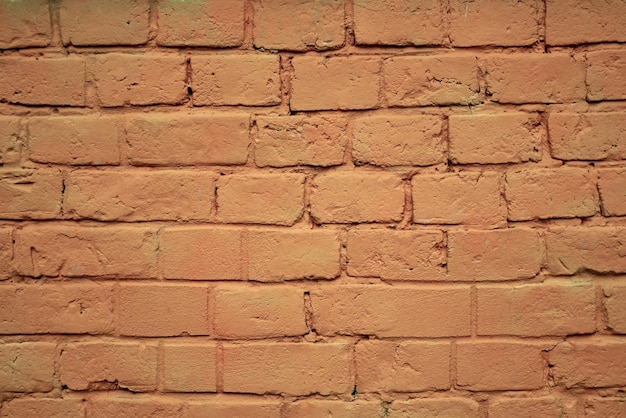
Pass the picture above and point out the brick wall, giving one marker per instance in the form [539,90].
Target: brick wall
[287,208]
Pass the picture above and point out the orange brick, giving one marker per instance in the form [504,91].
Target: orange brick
[74,140]
[571,22]
[42,81]
[550,193]
[188,139]
[260,198]
[398,140]
[251,79]
[396,255]
[45,407]
[300,140]
[537,310]
[606,79]
[24,24]
[605,407]
[398,22]
[591,363]
[75,251]
[317,408]
[162,311]
[11,141]
[130,365]
[439,407]
[389,366]
[116,22]
[348,83]
[458,198]
[493,139]
[299,26]
[259,312]
[344,197]
[546,406]
[200,253]
[27,367]
[124,79]
[6,252]
[212,23]
[289,368]
[615,305]
[570,250]
[534,78]
[507,254]
[392,311]
[499,365]
[276,255]
[26,194]
[189,367]
[611,184]
[234,407]
[62,308]
[139,195]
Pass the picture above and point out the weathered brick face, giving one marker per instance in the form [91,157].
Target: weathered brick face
[312,208]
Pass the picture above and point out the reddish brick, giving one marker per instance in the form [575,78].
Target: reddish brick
[606,79]
[251,79]
[493,139]
[11,140]
[398,140]
[124,79]
[26,194]
[507,254]
[162,311]
[565,192]
[458,198]
[234,407]
[611,184]
[439,407]
[300,140]
[42,81]
[571,22]
[537,310]
[299,26]
[546,406]
[344,197]
[288,368]
[6,252]
[615,305]
[45,407]
[605,407]
[316,408]
[24,24]
[116,22]
[189,367]
[114,405]
[392,311]
[259,312]
[27,367]
[188,139]
[349,83]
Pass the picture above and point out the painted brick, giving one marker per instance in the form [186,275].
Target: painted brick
[11,141]
[44,407]
[30,194]
[615,305]
[235,407]
[27,367]
[440,407]
[189,367]
[605,75]
[605,407]
[571,22]
[6,252]
[316,408]
[25,24]
[545,406]
[612,191]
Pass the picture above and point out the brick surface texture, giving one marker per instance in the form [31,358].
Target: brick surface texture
[312,208]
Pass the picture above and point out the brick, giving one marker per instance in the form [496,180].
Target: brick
[133,366]
[392,311]
[396,255]
[213,23]
[310,24]
[592,363]
[409,366]
[546,406]
[260,198]
[259,312]
[605,407]
[397,22]
[26,367]
[6,252]
[189,367]
[550,193]
[587,136]
[534,78]
[188,139]
[287,368]
[116,22]
[74,140]
[316,408]
[45,81]
[276,255]
[27,194]
[615,305]
[471,198]
[60,308]
[537,310]
[286,141]
[439,407]
[124,79]
[572,250]
[348,83]
[114,405]
[495,138]
[499,365]
[44,407]
[249,80]
[345,197]
[571,22]
[201,253]
[612,192]
[139,195]
[75,251]
[234,407]
[506,254]
[11,141]
[605,75]
[398,140]
[162,311]
[25,24]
